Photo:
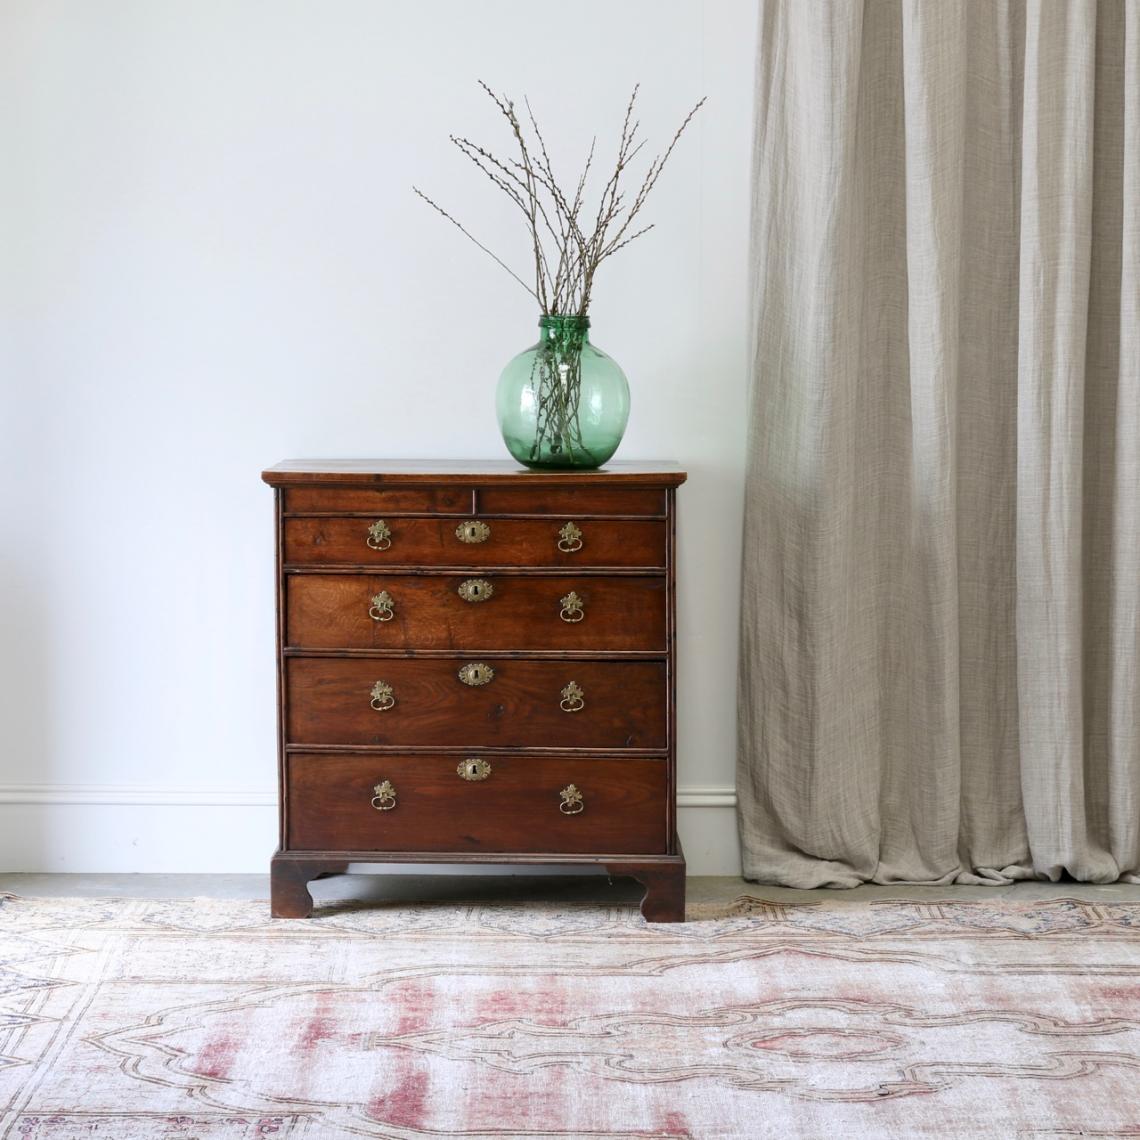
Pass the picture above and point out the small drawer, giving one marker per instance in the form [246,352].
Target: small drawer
[433,611]
[465,703]
[572,501]
[524,804]
[382,500]
[434,542]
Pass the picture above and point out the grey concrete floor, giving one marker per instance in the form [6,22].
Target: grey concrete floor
[477,887]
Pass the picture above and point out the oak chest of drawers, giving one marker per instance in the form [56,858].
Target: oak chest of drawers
[476,664]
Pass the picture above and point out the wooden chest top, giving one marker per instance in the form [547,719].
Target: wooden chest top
[484,472]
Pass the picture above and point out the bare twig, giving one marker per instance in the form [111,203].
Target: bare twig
[442,211]
[566,257]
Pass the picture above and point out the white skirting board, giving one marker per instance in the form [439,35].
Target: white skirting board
[91,829]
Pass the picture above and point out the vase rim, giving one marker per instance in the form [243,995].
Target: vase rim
[548,320]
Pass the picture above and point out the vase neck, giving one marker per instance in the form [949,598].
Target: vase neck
[560,327]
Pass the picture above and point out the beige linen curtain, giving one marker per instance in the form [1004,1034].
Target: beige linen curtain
[940,666]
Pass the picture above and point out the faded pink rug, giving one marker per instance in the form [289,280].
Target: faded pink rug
[206,1020]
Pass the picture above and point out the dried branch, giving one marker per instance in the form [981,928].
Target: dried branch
[442,211]
[566,257]
[654,172]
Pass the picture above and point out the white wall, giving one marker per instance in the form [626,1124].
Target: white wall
[211,259]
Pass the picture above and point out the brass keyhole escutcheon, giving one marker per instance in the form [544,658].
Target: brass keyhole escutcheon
[384,796]
[473,768]
[382,608]
[573,608]
[473,530]
[379,535]
[475,590]
[572,802]
[569,539]
[383,697]
[477,673]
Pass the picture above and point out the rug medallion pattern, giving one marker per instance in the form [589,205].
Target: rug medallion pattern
[207,1020]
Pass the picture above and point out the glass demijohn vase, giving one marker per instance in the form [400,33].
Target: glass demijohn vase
[562,402]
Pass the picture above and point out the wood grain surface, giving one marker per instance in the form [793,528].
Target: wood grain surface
[624,704]
[330,611]
[515,809]
[451,500]
[485,472]
[428,542]
[577,502]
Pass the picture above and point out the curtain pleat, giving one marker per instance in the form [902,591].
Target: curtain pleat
[1120,476]
[992,840]
[1056,219]
[939,641]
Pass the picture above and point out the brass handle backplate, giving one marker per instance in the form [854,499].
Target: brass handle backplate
[379,535]
[573,608]
[477,673]
[572,803]
[573,699]
[382,607]
[569,539]
[473,768]
[382,696]
[384,796]
[473,530]
[475,590]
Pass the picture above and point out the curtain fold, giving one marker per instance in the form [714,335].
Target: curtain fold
[940,647]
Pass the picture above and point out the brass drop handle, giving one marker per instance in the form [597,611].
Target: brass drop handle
[475,589]
[473,530]
[572,803]
[379,535]
[384,796]
[476,673]
[569,539]
[473,768]
[573,699]
[382,608]
[382,696]
[573,608]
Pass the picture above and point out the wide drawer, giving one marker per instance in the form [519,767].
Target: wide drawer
[496,542]
[334,803]
[397,612]
[501,704]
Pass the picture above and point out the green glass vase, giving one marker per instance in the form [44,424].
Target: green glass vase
[562,402]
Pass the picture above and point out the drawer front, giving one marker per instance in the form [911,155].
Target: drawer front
[399,500]
[520,805]
[571,501]
[510,704]
[339,611]
[501,542]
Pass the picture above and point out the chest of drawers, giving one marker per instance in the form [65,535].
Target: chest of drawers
[476,664]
